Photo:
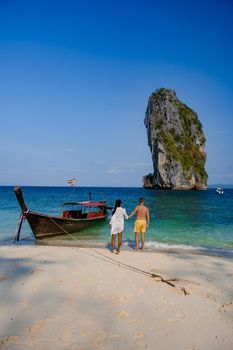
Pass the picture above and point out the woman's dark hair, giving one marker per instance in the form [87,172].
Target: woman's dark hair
[117,205]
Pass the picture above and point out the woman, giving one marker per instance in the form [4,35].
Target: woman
[117,224]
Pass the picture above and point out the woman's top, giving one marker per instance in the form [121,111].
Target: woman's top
[117,220]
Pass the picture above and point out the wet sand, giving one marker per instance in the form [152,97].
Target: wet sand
[81,298]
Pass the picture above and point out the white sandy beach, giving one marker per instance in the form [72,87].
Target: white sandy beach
[74,298]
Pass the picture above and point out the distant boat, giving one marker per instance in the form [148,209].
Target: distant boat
[219,190]
[81,215]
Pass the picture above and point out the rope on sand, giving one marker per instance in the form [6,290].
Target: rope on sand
[119,263]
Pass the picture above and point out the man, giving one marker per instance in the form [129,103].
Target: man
[141,223]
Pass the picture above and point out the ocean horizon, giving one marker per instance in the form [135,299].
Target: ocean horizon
[190,220]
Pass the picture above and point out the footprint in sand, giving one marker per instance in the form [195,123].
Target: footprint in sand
[165,301]
[67,333]
[24,303]
[209,296]
[10,339]
[122,314]
[3,278]
[113,335]
[36,327]
[70,300]
[162,334]
[139,335]
[178,318]
[224,307]
[141,290]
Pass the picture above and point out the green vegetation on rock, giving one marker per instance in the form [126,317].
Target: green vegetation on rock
[177,142]
[184,149]
[190,118]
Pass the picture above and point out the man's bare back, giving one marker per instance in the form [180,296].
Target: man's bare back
[141,212]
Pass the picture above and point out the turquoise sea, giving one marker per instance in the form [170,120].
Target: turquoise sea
[179,219]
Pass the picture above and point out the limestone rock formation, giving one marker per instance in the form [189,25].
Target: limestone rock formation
[177,144]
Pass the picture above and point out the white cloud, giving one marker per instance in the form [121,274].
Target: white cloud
[136,164]
[113,172]
[69,149]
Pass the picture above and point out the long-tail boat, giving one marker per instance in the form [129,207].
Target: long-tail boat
[81,215]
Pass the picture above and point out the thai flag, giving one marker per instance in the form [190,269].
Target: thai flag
[71,182]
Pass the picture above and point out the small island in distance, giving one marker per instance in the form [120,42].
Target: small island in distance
[177,144]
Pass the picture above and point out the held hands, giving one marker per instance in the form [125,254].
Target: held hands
[130,216]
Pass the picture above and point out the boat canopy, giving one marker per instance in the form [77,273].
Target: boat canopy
[86,203]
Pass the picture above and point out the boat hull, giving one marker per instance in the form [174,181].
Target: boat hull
[45,226]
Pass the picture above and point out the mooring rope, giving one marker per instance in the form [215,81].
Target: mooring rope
[114,261]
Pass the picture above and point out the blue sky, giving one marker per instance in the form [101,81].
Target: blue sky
[75,78]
